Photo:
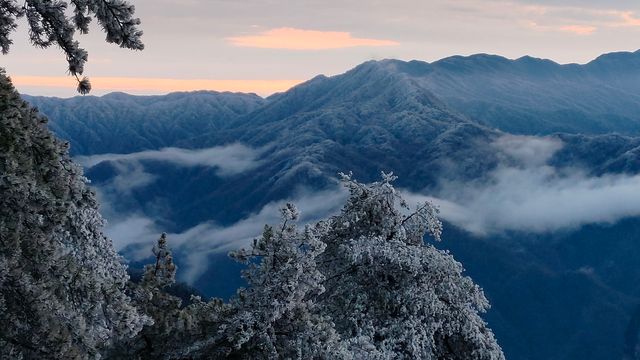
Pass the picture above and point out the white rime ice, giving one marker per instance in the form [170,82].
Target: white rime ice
[61,281]
[390,294]
[359,285]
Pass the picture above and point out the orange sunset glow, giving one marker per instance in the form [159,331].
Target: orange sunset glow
[579,29]
[158,85]
[299,39]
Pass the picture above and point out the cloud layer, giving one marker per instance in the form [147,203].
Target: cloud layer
[230,159]
[523,194]
[528,195]
[208,238]
[130,174]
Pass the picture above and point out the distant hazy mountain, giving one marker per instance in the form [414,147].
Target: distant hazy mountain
[536,96]
[123,123]
[556,294]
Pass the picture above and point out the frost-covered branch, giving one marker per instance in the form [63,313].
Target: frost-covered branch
[49,25]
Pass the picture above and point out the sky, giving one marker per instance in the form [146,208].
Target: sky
[267,46]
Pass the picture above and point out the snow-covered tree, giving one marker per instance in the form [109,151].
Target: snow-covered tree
[175,327]
[62,285]
[163,272]
[359,285]
[49,25]
[151,300]
[390,294]
[277,315]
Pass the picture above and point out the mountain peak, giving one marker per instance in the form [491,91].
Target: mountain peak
[476,62]
[620,61]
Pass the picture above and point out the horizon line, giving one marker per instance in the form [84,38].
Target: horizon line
[103,85]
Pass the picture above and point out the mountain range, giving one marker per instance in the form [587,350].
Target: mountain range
[479,134]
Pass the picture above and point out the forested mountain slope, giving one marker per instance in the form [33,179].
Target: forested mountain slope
[537,96]
[120,123]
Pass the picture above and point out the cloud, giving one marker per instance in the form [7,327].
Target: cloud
[230,159]
[523,194]
[134,233]
[299,39]
[130,175]
[528,195]
[131,229]
[579,20]
[138,232]
[578,29]
[628,19]
[573,29]
[529,151]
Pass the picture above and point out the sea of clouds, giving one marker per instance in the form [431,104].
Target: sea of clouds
[524,193]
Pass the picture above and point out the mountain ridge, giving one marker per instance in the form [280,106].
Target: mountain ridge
[154,121]
[528,96]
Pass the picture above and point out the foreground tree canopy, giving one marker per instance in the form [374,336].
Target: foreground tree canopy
[50,25]
[361,284]
[62,286]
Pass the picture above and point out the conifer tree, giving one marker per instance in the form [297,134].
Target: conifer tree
[175,328]
[360,285]
[390,294]
[62,284]
[277,316]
